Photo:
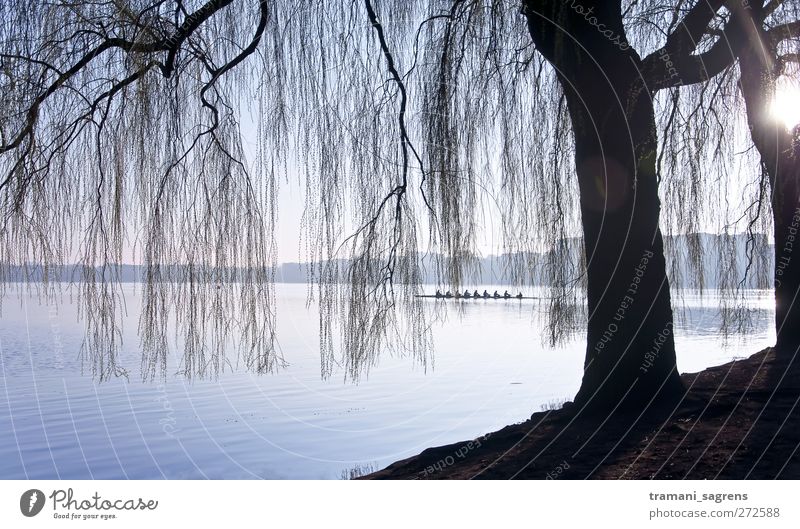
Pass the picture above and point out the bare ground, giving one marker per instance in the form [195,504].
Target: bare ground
[740,420]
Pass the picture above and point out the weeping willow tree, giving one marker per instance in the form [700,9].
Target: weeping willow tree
[771,55]
[691,54]
[710,172]
[713,152]
[124,125]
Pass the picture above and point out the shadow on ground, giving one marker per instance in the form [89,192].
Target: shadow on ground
[740,420]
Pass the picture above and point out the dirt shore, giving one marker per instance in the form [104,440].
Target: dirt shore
[740,420]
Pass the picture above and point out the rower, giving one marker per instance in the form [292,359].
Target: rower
[506,295]
[438,293]
[475,294]
[519,296]
[495,295]
[467,294]
[485,294]
[448,294]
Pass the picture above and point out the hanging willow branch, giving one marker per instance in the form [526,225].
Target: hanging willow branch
[417,129]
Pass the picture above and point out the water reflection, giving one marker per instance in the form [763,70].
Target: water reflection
[491,369]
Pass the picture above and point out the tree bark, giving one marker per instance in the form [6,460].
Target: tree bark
[780,159]
[630,355]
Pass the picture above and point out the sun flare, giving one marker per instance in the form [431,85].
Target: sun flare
[785,106]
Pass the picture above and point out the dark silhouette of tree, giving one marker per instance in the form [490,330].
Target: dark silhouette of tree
[122,124]
[613,122]
[761,63]
[697,172]
[701,42]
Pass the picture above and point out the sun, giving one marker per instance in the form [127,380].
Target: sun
[785,106]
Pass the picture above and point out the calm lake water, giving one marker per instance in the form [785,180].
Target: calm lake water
[491,369]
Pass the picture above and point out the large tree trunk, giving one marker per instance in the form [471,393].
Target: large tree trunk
[630,355]
[780,159]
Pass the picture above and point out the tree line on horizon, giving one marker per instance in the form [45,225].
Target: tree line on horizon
[491,269]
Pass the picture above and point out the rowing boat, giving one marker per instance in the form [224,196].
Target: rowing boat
[491,298]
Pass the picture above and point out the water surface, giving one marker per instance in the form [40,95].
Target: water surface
[491,369]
